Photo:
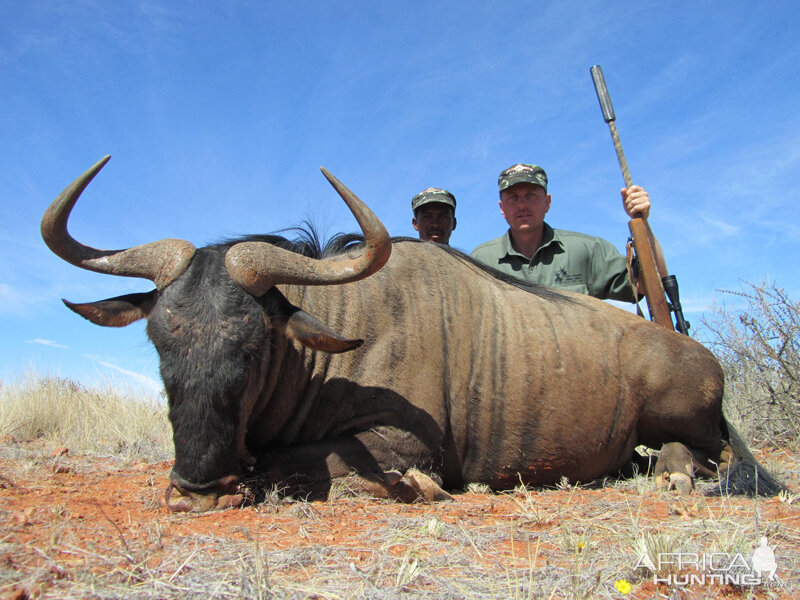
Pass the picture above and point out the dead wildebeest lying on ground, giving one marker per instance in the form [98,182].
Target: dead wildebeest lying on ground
[447,369]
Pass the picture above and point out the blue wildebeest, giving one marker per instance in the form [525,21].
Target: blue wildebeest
[409,373]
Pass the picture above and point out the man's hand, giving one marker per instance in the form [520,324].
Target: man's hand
[635,200]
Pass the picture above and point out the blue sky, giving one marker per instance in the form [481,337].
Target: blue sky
[218,115]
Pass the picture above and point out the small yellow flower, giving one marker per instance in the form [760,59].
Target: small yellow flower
[623,587]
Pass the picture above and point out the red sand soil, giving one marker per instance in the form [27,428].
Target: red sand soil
[58,512]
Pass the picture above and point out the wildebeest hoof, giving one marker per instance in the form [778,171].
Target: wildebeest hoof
[392,477]
[680,482]
[426,488]
[674,469]
[413,486]
[224,495]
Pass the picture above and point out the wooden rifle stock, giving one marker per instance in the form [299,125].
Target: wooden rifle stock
[648,272]
[639,228]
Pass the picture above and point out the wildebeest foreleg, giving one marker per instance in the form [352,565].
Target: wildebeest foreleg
[381,461]
[674,468]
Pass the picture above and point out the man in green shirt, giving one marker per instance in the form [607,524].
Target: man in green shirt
[534,251]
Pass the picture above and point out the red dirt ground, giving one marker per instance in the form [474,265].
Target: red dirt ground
[61,513]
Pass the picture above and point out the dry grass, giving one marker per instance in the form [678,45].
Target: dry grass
[95,530]
[103,420]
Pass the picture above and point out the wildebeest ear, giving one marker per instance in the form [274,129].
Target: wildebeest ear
[116,312]
[298,325]
[314,334]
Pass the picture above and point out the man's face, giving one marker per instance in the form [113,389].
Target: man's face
[435,222]
[524,206]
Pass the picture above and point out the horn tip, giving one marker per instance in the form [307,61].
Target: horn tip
[333,180]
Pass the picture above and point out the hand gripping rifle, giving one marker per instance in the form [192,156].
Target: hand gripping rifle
[654,286]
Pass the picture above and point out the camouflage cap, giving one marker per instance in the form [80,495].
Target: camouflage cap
[520,173]
[433,194]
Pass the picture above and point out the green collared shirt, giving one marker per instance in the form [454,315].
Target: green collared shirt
[566,260]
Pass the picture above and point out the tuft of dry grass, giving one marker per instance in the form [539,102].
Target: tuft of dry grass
[64,413]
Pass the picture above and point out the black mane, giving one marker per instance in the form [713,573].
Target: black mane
[308,242]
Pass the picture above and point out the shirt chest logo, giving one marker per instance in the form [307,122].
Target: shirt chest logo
[563,278]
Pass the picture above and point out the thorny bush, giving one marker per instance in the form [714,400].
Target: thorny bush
[758,345]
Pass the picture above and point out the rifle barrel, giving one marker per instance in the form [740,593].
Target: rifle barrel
[640,230]
[602,94]
[609,117]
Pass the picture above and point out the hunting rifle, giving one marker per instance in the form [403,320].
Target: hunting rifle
[654,285]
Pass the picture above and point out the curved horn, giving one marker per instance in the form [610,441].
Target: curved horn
[161,262]
[257,266]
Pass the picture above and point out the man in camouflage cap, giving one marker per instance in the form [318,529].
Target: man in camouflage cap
[434,215]
[534,251]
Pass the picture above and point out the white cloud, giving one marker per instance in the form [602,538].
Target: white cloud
[144,380]
[724,228]
[49,343]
